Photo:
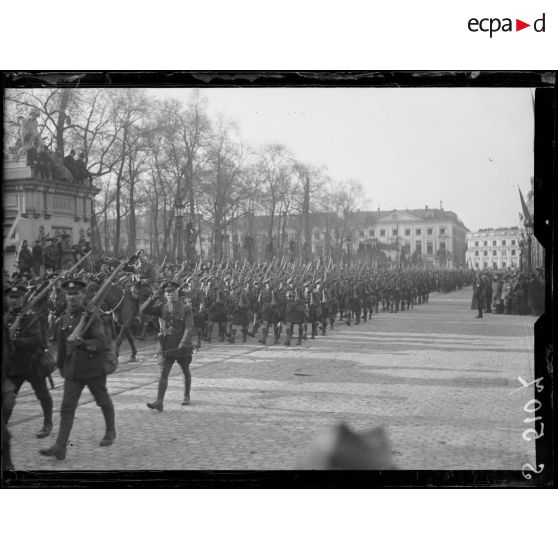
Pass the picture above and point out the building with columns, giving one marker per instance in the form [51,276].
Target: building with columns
[494,248]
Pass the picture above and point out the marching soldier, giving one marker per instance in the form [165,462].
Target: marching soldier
[25,347]
[82,362]
[176,326]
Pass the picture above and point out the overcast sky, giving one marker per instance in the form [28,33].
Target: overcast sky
[468,148]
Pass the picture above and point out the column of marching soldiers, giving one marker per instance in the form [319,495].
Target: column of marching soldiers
[85,312]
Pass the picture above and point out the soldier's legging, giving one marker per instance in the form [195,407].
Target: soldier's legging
[39,385]
[165,365]
[70,399]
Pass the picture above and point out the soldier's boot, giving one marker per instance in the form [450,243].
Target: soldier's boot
[277,335]
[7,464]
[244,335]
[314,331]
[255,329]
[187,385]
[221,333]
[289,333]
[304,332]
[198,342]
[209,332]
[348,320]
[331,323]
[46,405]
[265,331]
[323,328]
[299,340]
[365,317]
[110,426]
[58,450]
[157,405]
[232,336]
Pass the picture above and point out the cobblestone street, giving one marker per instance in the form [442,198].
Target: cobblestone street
[439,381]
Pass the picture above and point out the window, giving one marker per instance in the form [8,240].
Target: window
[476,242]
[418,232]
[477,265]
[486,243]
[485,265]
[372,232]
[382,232]
[494,252]
[430,248]
[442,230]
[429,231]
[513,251]
[503,264]
[513,242]
[494,243]
[442,245]
[418,247]
[394,232]
[485,253]
[407,232]
[503,242]
[476,252]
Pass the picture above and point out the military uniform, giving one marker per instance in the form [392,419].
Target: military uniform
[82,363]
[24,350]
[176,325]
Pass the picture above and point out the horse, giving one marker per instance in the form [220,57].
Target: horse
[123,303]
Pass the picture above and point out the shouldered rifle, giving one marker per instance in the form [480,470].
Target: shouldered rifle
[89,313]
[28,306]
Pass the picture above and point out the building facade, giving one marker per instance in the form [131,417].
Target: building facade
[494,248]
[425,237]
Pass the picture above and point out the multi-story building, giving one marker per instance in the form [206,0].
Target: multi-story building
[494,248]
[428,237]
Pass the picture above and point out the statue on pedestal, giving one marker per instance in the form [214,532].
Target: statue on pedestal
[29,136]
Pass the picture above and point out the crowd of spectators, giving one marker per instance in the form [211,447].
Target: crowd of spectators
[510,292]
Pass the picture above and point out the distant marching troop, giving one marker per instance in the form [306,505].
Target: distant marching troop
[88,310]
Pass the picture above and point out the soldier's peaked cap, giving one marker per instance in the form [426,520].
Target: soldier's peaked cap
[73,285]
[171,286]
[15,291]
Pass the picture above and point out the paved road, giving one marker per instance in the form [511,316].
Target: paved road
[440,381]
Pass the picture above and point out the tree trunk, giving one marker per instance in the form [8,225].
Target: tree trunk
[132,218]
[306,215]
[64,100]
[118,193]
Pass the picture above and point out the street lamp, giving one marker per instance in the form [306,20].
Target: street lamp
[529,232]
[179,230]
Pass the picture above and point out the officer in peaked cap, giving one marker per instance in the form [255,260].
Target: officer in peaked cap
[176,325]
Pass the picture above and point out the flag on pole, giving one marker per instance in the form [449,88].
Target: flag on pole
[526,214]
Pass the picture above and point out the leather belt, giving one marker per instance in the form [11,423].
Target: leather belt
[170,331]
